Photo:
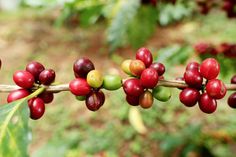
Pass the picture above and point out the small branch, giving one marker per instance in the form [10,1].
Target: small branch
[65,87]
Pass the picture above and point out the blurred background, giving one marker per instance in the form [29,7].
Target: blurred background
[57,32]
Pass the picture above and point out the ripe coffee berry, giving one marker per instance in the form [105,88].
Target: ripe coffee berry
[193,79]
[145,56]
[35,68]
[159,67]
[132,100]
[146,99]
[210,68]
[207,104]
[17,94]
[189,96]
[37,108]
[47,97]
[136,67]
[47,76]
[149,78]
[95,100]
[216,89]
[232,100]
[23,79]
[193,66]
[233,79]
[133,87]
[82,67]
[79,87]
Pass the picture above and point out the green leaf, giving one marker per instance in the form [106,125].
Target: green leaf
[14,129]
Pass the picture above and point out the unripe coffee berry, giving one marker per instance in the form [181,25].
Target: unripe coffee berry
[161,93]
[146,100]
[136,67]
[125,66]
[112,82]
[95,79]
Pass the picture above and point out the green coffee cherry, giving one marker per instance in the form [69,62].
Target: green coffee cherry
[80,98]
[161,93]
[112,82]
[95,79]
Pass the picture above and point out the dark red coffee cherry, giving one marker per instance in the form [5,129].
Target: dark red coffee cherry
[82,67]
[193,66]
[149,78]
[132,100]
[47,76]
[95,100]
[79,87]
[233,79]
[133,87]
[47,97]
[159,67]
[232,100]
[189,96]
[207,104]
[35,68]
[23,79]
[216,89]
[144,55]
[193,79]
[17,94]
[210,68]
[37,108]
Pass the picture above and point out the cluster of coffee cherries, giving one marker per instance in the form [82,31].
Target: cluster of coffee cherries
[88,83]
[212,89]
[227,49]
[144,78]
[232,97]
[34,74]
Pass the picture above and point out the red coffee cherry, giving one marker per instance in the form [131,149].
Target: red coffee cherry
[146,100]
[79,87]
[193,66]
[47,76]
[132,100]
[189,96]
[193,79]
[35,68]
[207,104]
[17,94]
[82,67]
[136,67]
[23,79]
[37,108]
[149,78]
[159,67]
[210,68]
[216,89]
[47,97]
[145,56]
[233,79]
[133,87]
[95,100]
[232,100]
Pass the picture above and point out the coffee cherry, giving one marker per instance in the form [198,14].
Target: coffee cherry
[210,68]
[95,100]
[149,78]
[233,79]
[146,99]
[112,82]
[159,67]
[35,68]
[193,79]
[193,66]
[232,100]
[47,97]
[133,87]
[79,87]
[136,67]
[216,89]
[37,108]
[207,104]
[161,93]
[23,79]
[125,66]
[81,98]
[132,100]
[82,67]
[145,56]
[47,76]
[189,96]
[17,94]
[95,79]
